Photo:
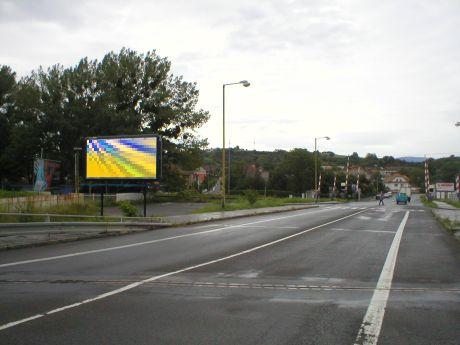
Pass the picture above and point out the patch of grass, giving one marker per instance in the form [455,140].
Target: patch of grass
[128,209]
[243,204]
[428,203]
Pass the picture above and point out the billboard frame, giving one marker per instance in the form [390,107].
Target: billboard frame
[159,159]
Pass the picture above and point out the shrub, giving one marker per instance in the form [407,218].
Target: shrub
[128,209]
[251,196]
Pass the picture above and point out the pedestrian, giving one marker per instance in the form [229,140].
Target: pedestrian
[381,199]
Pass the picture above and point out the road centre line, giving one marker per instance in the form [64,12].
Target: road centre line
[155,278]
[23,262]
[372,323]
[216,284]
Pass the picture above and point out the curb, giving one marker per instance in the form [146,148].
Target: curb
[218,215]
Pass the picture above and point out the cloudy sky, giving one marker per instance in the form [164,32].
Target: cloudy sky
[376,76]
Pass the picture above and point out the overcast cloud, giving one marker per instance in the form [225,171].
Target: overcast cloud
[376,76]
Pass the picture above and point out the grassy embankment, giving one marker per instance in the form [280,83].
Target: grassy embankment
[242,204]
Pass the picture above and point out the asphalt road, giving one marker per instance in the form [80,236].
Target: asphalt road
[339,274]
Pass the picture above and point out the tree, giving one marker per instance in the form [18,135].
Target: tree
[354,158]
[124,93]
[7,87]
[295,173]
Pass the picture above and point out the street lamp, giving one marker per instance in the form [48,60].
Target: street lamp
[245,83]
[316,167]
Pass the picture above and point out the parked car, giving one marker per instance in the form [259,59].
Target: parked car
[401,198]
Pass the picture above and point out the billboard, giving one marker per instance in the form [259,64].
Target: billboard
[128,157]
[46,172]
[445,187]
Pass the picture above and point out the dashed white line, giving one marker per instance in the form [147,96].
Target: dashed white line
[154,278]
[372,323]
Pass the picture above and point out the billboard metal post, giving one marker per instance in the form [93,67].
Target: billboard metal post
[102,202]
[145,200]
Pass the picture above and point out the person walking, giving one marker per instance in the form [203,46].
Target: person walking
[381,199]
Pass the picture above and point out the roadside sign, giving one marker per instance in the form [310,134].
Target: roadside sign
[445,187]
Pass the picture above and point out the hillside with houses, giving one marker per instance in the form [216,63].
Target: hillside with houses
[292,172]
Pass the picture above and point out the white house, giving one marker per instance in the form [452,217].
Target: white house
[396,181]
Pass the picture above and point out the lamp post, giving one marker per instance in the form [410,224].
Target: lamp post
[245,83]
[316,167]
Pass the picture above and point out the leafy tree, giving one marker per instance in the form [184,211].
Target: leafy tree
[7,87]
[124,93]
[295,173]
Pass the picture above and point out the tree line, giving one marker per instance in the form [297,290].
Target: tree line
[126,92]
[292,172]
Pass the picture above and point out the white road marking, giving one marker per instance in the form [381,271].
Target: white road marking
[372,323]
[154,278]
[264,226]
[366,230]
[151,241]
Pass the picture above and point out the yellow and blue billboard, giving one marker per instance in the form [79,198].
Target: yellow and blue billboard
[122,157]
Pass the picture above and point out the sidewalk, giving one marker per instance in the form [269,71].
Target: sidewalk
[33,234]
[445,205]
[449,212]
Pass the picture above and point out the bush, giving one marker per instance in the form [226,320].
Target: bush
[251,196]
[128,209]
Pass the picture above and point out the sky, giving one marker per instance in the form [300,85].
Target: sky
[377,77]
